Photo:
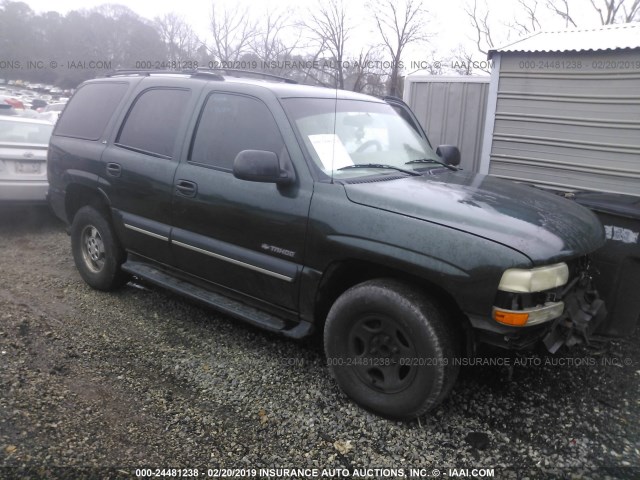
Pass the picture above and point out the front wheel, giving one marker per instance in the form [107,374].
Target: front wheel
[96,251]
[390,348]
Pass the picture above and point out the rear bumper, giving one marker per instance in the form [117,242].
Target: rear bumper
[24,191]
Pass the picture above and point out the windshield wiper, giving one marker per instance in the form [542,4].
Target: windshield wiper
[431,160]
[381,165]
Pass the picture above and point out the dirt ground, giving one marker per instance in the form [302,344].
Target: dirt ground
[98,385]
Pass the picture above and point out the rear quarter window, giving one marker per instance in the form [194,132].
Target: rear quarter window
[89,111]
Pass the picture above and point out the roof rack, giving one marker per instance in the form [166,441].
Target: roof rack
[234,72]
[125,71]
[213,73]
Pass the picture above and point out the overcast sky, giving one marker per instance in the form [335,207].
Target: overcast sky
[448,16]
[449,25]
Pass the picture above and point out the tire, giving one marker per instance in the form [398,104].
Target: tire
[390,348]
[96,251]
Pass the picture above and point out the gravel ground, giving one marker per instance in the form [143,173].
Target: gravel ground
[95,385]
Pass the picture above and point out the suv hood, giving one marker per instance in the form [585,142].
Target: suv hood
[543,226]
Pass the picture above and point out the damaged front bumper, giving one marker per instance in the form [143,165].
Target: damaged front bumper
[583,312]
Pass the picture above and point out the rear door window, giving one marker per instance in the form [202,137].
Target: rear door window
[152,123]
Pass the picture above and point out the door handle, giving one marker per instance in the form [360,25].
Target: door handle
[114,169]
[186,188]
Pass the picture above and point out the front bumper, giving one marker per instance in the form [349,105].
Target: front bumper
[584,311]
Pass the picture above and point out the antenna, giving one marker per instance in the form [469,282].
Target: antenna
[335,120]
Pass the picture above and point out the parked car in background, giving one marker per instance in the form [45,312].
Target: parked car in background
[52,111]
[39,104]
[12,101]
[23,156]
[6,109]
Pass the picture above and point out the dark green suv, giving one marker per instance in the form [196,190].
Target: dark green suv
[297,208]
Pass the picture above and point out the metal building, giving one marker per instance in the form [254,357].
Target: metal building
[451,110]
[563,110]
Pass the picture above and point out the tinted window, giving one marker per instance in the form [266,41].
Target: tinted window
[152,123]
[232,123]
[90,110]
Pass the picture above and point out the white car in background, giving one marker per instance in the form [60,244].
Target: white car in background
[23,159]
[52,111]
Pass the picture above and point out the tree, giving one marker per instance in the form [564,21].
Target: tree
[232,30]
[480,22]
[529,23]
[180,39]
[561,9]
[608,11]
[365,73]
[399,23]
[528,18]
[267,46]
[489,32]
[329,31]
[123,37]
[616,11]
[462,61]
[18,38]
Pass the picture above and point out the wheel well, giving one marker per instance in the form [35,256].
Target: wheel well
[341,276]
[78,196]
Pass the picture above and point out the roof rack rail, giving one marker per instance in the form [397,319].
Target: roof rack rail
[126,71]
[235,72]
[213,73]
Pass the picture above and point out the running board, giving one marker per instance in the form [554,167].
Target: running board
[214,300]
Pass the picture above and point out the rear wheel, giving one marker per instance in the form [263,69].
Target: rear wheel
[96,251]
[390,349]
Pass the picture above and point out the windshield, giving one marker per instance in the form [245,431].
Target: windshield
[352,132]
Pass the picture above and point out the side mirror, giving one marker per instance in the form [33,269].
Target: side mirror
[449,153]
[261,166]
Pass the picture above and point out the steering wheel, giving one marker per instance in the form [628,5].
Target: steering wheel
[367,144]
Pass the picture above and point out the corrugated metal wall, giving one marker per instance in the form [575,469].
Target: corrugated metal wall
[452,111]
[569,121]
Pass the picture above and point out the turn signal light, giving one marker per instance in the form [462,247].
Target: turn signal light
[510,318]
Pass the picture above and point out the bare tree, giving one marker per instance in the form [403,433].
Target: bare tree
[181,41]
[631,12]
[480,22]
[365,73]
[267,44]
[529,23]
[609,11]
[400,23]
[232,30]
[462,61]
[616,11]
[561,8]
[434,63]
[527,17]
[329,31]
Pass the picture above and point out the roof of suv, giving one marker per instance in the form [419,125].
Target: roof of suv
[281,87]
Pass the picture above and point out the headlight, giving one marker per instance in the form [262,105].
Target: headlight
[518,280]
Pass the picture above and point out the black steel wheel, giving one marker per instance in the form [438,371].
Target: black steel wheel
[390,349]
